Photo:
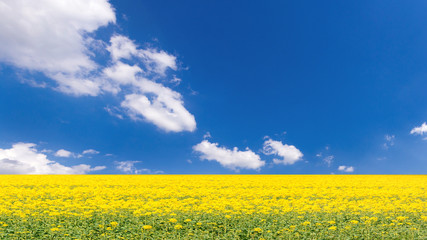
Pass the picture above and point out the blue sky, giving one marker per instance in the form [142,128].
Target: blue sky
[191,87]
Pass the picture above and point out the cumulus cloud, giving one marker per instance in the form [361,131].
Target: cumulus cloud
[63,153]
[128,167]
[165,110]
[150,101]
[289,153]
[231,159]
[419,130]
[52,37]
[348,169]
[23,158]
[57,38]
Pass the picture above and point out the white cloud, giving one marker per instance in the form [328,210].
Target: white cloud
[158,61]
[420,130]
[56,39]
[348,169]
[389,141]
[154,60]
[63,153]
[289,153]
[165,110]
[389,138]
[207,135]
[33,83]
[129,168]
[114,111]
[122,74]
[176,80]
[150,101]
[52,37]
[23,158]
[122,47]
[90,151]
[328,160]
[231,159]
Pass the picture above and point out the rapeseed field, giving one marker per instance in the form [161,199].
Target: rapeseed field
[213,207]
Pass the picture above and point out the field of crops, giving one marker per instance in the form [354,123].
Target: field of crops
[213,207]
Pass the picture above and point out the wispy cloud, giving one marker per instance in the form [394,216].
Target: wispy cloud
[90,151]
[207,135]
[389,141]
[128,167]
[328,160]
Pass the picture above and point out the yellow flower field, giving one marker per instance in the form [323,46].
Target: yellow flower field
[213,207]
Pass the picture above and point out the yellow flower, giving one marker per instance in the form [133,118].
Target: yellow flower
[257,230]
[178,226]
[147,227]
[370,201]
